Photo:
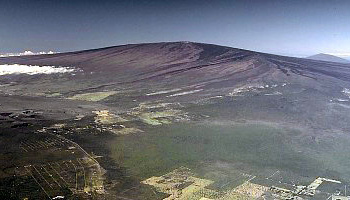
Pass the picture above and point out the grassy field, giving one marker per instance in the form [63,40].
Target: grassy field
[94,96]
[171,146]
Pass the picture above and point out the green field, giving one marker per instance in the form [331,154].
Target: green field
[171,146]
[94,96]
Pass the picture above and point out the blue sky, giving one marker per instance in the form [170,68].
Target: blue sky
[288,27]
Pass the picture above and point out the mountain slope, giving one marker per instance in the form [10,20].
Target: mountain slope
[180,64]
[328,58]
[144,109]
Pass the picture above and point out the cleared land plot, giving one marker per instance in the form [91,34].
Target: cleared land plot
[93,96]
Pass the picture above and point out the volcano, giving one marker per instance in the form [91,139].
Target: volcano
[127,121]
[328,58]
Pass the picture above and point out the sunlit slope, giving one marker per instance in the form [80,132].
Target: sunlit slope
[189,67]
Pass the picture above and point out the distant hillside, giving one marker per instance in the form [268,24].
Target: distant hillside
[327,57]
[162,69]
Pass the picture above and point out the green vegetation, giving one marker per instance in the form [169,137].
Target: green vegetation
[94,96]
[167,147]
[126,131]
[56,94]
[158,118]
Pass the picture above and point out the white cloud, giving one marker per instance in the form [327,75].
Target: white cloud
[32,69]
[27,53]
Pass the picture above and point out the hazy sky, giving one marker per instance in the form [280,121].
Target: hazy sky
[290,27]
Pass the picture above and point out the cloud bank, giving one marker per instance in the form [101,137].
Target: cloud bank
[26,53]
[32,69]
